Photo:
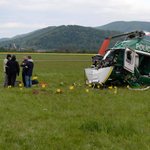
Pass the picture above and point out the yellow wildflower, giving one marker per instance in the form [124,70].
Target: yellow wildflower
[98,86]
[115,92]
[127,86]
[20,84]
[21,88]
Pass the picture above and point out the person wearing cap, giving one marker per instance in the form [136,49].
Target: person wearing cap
[12,70]
[5,82]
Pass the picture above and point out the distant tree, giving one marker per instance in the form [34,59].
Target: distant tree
[78,51]
[83,51]
[56,51]
[67,51]
[10,45]
[30,50]
[1,49]
[18,46]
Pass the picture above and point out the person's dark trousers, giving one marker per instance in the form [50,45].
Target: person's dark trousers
[23,79]
[11,79]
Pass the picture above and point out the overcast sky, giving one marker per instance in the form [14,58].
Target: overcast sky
[18,17]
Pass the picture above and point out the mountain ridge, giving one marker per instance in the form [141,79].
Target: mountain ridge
[78,37]
[126,26]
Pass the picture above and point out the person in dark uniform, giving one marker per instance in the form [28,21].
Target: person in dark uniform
[28,72]
[23,64]
[12,69]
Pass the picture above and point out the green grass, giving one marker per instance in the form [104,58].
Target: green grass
[73,120]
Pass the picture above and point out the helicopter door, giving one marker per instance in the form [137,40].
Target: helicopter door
[129,59]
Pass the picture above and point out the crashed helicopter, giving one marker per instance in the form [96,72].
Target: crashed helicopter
[127,62]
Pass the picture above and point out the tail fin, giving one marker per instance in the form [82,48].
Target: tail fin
[104,46]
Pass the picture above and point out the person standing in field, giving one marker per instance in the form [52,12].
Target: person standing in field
[28,72]
[12,69]
[5,82]
[23,64]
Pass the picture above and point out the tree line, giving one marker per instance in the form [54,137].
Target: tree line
[3,49]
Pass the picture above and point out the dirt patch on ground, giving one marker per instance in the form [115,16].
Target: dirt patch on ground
[60,92]
[41,89]
[38,91]
[35,92]
[46,93]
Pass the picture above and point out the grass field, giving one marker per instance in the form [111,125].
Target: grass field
[40,118]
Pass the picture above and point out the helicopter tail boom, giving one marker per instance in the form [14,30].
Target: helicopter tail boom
[104,46]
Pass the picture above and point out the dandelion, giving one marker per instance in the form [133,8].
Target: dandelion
[20,84]
[115,87]
[115,92]
[87,90]
[58,90]
[90,85]
[98,86]
[127,86]
[21,88]
[110,87]
[71,87]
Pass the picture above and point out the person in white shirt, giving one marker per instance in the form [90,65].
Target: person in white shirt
[5,82]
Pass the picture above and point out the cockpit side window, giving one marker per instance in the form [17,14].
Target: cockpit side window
[129,57]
